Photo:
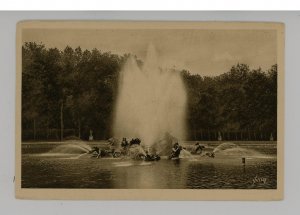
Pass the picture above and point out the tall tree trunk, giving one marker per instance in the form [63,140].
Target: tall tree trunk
[249,135]
[47,128]
[61,121]
[195,131]
[201,134]
[79,129]
[34,129]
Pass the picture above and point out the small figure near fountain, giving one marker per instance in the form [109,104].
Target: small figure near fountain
[197,149]
[135,141]
[175,151]
[124,147]
[91,138]
[124,143]
[210,154]
[219,136]
[153,157]
[96,152]
[112,146]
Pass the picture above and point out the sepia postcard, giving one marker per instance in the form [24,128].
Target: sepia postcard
[138,110]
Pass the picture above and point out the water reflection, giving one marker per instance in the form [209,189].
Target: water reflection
[41,172]
[227,172]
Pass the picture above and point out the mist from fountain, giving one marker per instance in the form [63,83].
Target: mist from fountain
[70,148]
[231,149]
[151,101]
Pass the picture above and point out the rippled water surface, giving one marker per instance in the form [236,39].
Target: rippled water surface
[225,171]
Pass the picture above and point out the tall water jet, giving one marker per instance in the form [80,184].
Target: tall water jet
[151,101]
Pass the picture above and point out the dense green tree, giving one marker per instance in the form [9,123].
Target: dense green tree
[77,89]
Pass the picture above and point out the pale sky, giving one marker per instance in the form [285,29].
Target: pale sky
[204,52]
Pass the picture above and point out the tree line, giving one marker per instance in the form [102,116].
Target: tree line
[70,92]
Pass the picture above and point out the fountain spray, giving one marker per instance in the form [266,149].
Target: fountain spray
[151,101]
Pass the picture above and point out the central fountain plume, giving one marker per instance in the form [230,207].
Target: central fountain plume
[151,101]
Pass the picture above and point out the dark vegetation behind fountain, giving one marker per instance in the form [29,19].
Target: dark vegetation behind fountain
[80,88]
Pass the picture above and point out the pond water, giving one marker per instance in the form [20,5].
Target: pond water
[79,170]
